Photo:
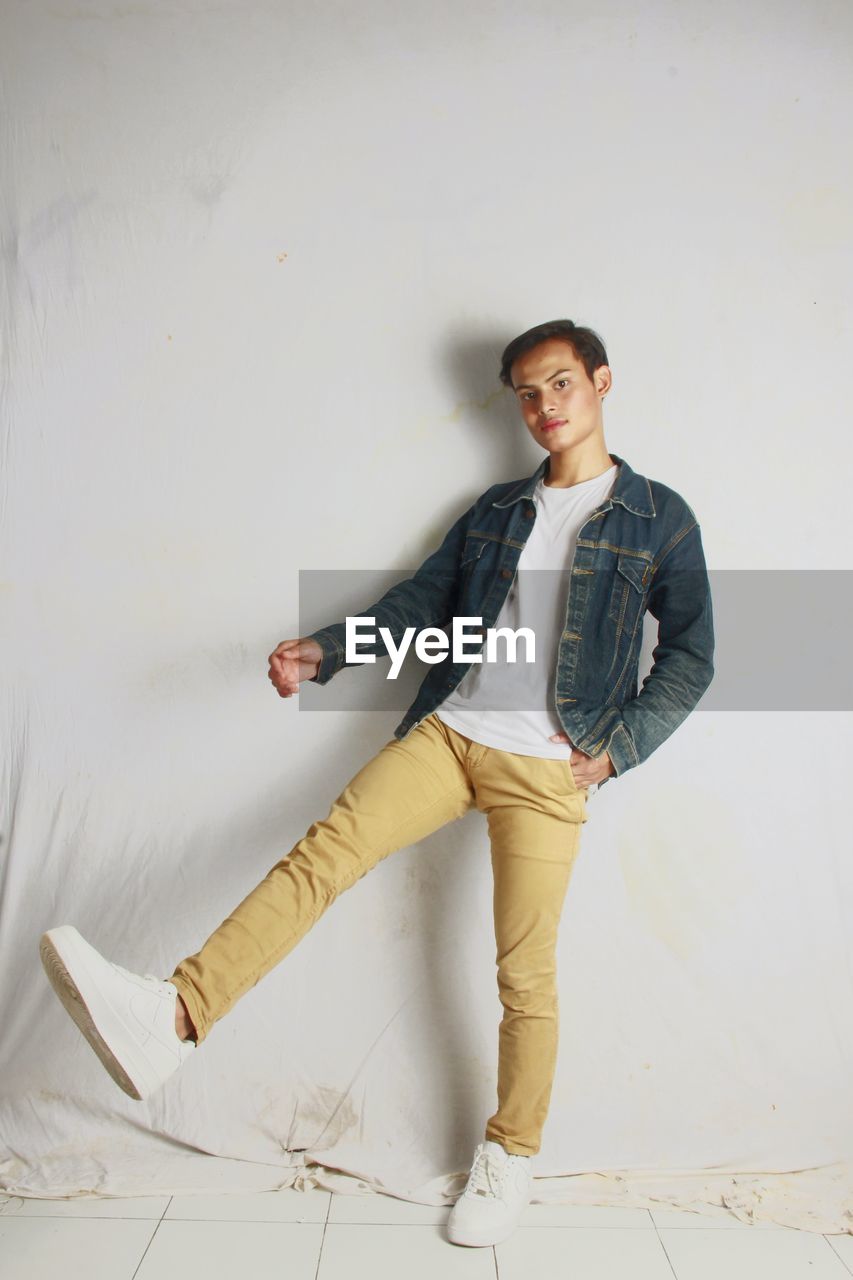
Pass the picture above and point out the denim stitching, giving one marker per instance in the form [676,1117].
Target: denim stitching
[673,542]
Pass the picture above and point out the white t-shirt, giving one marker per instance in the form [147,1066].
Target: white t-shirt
[536,600]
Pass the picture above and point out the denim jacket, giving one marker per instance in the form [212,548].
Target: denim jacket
[640,549]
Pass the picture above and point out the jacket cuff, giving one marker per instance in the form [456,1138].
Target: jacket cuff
[621,750]
[331,641]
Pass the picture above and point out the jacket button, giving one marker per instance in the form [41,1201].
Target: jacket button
[529,513]
[506,573]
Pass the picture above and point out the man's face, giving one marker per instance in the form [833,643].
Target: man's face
[558,402]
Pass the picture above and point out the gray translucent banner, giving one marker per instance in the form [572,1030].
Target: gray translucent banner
[782,638]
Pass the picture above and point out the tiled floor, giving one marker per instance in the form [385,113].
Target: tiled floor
[318,1235]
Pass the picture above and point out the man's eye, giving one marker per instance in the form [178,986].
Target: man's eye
[562,382]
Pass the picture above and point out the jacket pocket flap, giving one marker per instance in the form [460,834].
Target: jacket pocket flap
[634,569]
[473,549]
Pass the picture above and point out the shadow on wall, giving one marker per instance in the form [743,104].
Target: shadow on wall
[472,365]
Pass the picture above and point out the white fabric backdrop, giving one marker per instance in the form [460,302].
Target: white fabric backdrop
[260,261]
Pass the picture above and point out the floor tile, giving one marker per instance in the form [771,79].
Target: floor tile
[842,1246]
[97,1249]
[390,1209]
[95,1207]
[678,1218]
[263,1206]
[585,1215]
[223,1250]
[751,1255]
[385,1209]
[367,1252]
[594,1253]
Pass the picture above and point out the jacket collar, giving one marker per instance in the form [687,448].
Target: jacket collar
[631,489]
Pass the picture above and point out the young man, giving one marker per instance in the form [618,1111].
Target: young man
[522,743]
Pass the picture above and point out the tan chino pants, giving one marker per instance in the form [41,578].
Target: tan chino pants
[409,789]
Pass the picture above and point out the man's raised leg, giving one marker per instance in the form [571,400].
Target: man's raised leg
[409,789]
[136,1023]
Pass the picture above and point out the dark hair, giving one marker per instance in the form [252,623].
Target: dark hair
[586,344]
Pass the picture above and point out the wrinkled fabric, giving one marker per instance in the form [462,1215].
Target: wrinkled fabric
[817,1200]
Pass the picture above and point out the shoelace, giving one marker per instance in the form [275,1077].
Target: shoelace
[487,1174]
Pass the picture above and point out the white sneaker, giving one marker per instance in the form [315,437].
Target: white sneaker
[128,1020]
[498,1189]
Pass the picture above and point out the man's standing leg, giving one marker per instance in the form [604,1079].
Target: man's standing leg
[535,813]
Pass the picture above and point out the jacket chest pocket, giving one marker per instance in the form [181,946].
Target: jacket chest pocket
[628,591]
[481,561]
[470,563]
[472,550]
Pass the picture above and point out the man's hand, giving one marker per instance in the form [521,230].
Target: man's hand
[587,769]
[291,662]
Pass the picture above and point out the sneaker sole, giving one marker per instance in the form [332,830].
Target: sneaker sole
[473,1240]
[479,1242]
[75,1005]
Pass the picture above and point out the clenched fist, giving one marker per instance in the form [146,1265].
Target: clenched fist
[291,662]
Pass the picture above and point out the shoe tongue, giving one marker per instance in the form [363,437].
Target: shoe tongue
[496,1148]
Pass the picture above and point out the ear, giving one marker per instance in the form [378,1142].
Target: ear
[603,379]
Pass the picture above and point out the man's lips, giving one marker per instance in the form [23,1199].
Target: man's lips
[553,423]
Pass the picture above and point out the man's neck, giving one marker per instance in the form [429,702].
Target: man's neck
[563,470]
